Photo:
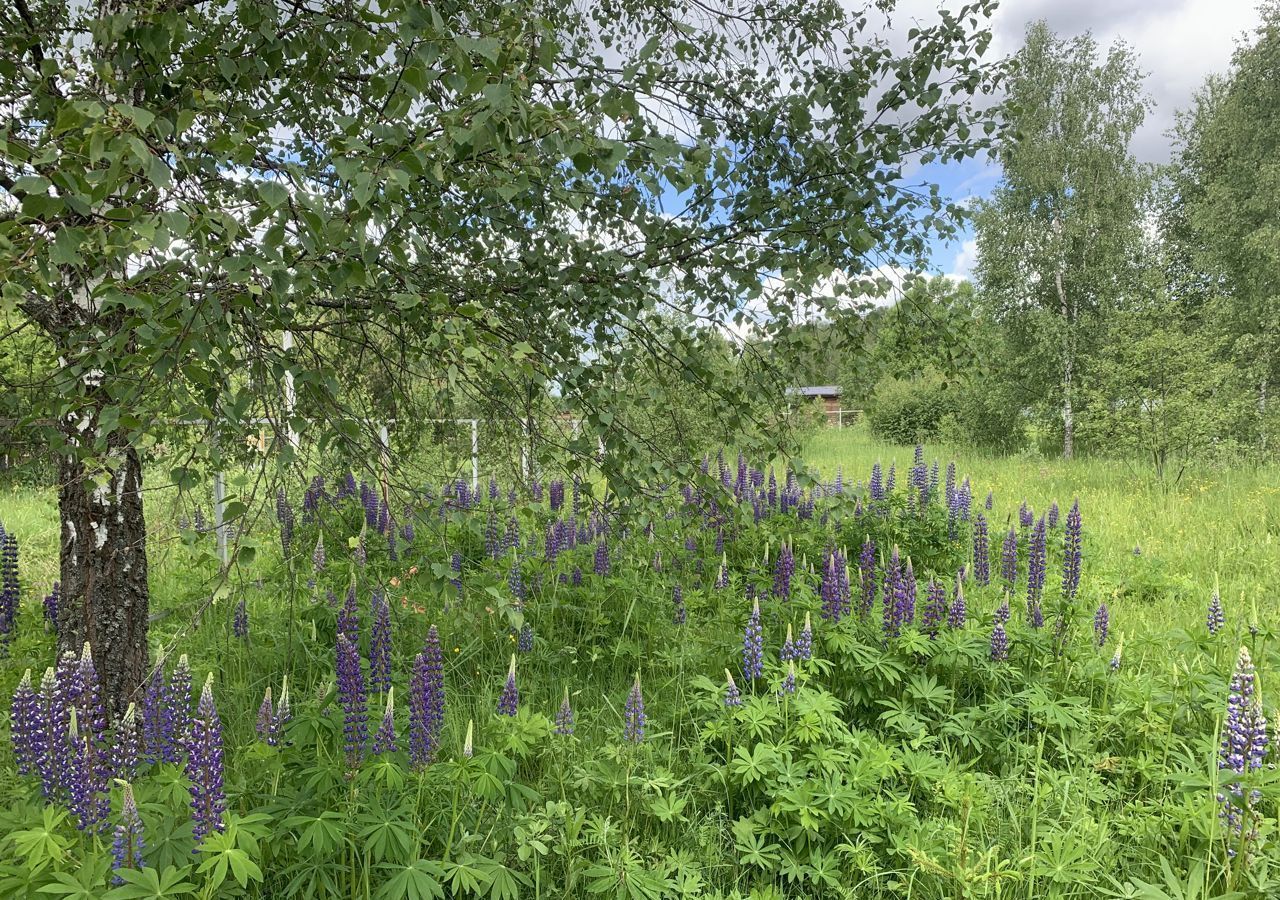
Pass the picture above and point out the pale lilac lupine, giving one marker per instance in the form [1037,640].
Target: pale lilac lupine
[732,696]
[1216,619]
[384,739]
[127,847]
[266,717]
[633,717]
[564,716]
[1243,749]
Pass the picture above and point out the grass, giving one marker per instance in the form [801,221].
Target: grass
[1215,523]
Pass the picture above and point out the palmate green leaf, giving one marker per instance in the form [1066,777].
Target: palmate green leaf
[148,884]
[45,844]
[417,881]
[83,884]
[318,835]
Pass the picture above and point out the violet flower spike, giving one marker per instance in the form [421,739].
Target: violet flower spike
[633,716]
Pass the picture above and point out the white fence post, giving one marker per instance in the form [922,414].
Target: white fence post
[290,395]
[219,526]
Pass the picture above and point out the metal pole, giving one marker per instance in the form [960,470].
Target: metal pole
[219,526]
[384,457]
[524,453]
[840,418]
[475,454]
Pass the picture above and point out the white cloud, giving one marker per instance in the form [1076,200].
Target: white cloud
[962,264]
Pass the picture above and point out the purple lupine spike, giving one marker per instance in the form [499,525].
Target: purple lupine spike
[789,682]
[981,551]
[890,481]
[949,491]
[633,717]
[125,748]
[10,586]
[875,486]
[679,612]
[494,491]
[783,570]
[515,582]
[284,713]
[240,621]
[1052,517]
[602,558]
[380,644]
[829,590]
[1025,515]
[50,606]
[81,777]
[999,643]
[722,576]
[1003,612]
[524,639]
[127,848]
[1216,619]
[1037,560]
[176,719]
[204,767]
[753,645]
[894,596]
[265,724]
[935,608]
[509,699]
[455,566]
[384,740]
[788,650]
[732,696]
[556,494]
[199,523]
[956,613]
[868,576]
[535,490]
[564,716]
[576,578]
[719,542]
[990,501]
[284,515]
[1102,623]
[349,615]
[48,743]
[907,613]
[804,643]
[1071,541]
[24,724]
[1243,748]
[1009,559]
[1035,614]
[354,700]
[406,531]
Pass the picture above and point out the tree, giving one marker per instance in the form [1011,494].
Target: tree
[1057,238]
[1225,208]
[442,190]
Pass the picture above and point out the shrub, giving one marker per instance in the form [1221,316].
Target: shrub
[908,411]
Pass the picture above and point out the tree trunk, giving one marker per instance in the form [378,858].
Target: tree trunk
[105,596]
[1068,372]
[1262,412]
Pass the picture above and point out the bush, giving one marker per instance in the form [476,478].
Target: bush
[983,414]
[909,411]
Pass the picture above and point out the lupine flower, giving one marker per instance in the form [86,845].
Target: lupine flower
[875,487]
[999,643]
[602,558]
[753,645]
[10,585]
[266,718]
[1243,748]
[788,650]
[51,606]
[284,515]
[380,644]
[935,608]
[1216,619]
[455,566]
[1071,540]
[1002,611]
[48,740]
[176,718]
[784,568]
[990,500]
[128,847]
[353,698]
[468,747]
[890,479]
[1009,559]
[125,748]
[895,598]
[722,576]
[1115,657]
[524,639]
[24,719]
[360,554]
[1037,560]
[317,555]
[204,766]
[509,700]
[240,621]
[83,788]
[804,643]
[576,578]
[1102,623]
[981,551]
[633,718]
[833,604]
[789,682]
[564,716]
[1053,515]
[349,615]
[284,713]
[679,613]
[732,696]
[867,576]
[384,740]
[1035,614]
[957,613]
[426,701]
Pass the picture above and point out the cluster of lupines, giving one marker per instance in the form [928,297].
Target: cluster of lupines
[1243,749]
[10,586]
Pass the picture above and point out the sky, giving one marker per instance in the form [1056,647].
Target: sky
[1178,43]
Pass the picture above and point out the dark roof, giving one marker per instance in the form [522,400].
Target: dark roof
[816,390]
